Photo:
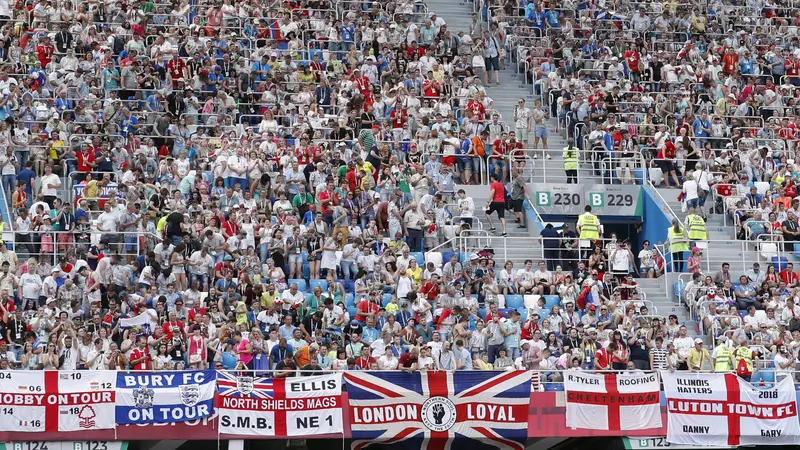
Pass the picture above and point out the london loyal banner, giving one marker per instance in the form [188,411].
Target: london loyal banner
[390,407]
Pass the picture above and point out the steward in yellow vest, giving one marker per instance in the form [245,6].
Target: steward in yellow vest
[723,356]
[697,226]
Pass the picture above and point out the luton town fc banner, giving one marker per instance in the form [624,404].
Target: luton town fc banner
[51,401]
[165,397]
[258,406]
[390,407]
[722,409]
[612,401]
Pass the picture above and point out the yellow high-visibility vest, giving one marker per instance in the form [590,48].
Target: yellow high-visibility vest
[677,240]
[590,226]
[746,354]
[723,362]
[570,158]
[697,228]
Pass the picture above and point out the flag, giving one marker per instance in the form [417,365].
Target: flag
[722,409]
[164,397]
[439,407]
[142,320]
[612,401]
[52,401]
[299,406]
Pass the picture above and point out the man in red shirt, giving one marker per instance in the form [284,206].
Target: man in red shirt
[497,203]
[177,69]
[408,361]
[86,158]
[499,150]
[632,58]
[399,119]
[789,276]
[44,52]
[328,199]
[367,307]
[140,356]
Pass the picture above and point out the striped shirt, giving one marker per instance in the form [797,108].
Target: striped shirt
[659,358]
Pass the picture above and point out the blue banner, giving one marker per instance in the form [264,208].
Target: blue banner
[165,396]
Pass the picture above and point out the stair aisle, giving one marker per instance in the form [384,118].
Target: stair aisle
[723,245]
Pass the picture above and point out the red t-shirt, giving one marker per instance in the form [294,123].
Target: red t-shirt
[632,57]
[399,118]
[366,305]
[499,195]
[328,200]
[138,353]
[84,159]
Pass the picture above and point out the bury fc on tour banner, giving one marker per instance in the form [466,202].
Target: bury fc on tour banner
[258,406]
[723,409]
[165,397]
[51,401]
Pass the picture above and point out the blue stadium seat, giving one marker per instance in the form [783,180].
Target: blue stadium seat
[743,312]
[352,311]
[551,300]
[523,314]
[321,283]
[553,387]
[350,286]
[343,283]
[387,298]
[779,262]
[797,251]
[349,300]
[482,313]
[446,257]
[544,314]
[515,301]
[463,257]
[420,257]
[301,284]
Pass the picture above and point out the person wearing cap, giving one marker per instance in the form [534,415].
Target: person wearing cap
[698,356]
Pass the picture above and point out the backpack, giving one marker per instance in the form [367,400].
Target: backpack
[741,368]
[480,148]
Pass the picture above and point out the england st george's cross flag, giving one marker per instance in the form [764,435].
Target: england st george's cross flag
[723,409]
[612,401]
[438,407]
[52,401]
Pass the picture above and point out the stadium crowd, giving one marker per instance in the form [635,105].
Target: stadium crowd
[238,185]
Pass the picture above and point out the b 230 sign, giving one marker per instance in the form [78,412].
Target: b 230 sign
[570,199]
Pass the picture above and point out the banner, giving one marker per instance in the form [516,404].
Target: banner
[612,401]
[389,407]
[52,401]
[165,396]
[299,406]
[723,409]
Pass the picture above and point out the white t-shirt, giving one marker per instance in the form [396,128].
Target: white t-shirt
[50,179]
[108,220]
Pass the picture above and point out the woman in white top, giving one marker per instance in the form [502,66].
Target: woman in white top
[404,282]
[691,199]
[329,250]
[478,64]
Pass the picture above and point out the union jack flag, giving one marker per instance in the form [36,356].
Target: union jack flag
[231,384]
[439,407]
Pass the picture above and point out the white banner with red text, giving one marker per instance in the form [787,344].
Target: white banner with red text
[260,406]
[612,401]
[723,409]
[51,401]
